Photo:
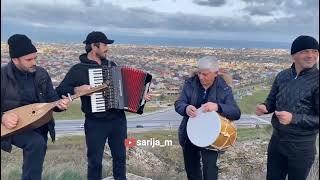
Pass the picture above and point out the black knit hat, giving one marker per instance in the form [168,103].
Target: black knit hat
[20,45]
[96,37]
[304,42]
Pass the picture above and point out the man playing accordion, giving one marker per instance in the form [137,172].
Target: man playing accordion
[99,126]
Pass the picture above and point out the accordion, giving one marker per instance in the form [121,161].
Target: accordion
[126,88]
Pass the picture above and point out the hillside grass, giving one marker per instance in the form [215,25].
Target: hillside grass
[74,111]
[248,103]
[66,159]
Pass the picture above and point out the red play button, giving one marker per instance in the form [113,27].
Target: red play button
[130,142]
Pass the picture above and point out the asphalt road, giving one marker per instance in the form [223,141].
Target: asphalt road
[165,119]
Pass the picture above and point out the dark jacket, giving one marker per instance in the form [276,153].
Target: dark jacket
[77,76]
[219,93]
[298,95]
[11,99]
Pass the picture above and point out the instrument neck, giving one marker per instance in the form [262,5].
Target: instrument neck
[87,92]
[75,96]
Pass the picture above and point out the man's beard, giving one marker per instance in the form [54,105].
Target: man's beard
[32,69]
[103,56]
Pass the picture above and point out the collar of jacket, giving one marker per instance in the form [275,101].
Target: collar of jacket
[84,59]
[39,76]
[305,71]
[212,91]
[10,71]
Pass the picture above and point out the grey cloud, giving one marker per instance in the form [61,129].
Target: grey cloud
[260,10]
[88,2]
[302,16]
[132,20]
[212,3]
[267,8]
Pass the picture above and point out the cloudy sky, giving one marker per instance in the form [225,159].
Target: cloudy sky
[253,20]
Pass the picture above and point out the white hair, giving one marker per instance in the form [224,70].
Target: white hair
[208,62]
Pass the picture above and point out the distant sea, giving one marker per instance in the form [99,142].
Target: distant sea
[211,43]
[164,41]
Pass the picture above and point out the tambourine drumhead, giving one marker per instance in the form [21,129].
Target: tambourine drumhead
[204,129]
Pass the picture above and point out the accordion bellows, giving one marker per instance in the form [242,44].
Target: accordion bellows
[126,90]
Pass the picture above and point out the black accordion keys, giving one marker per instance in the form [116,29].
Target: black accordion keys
[126,90]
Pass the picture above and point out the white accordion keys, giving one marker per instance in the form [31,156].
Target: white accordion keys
[97,99]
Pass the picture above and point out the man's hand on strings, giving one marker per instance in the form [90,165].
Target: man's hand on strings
[10,120]
[63,103]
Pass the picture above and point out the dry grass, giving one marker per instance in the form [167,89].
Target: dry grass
[66,159]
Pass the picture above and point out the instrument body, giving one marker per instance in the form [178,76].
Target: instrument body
[30,117]
[211,131]
[126,90]
[35,115]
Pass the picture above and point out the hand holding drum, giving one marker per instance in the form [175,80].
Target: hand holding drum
[209,130]
[207,107]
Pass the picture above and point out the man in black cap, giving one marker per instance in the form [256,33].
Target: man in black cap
[99,126]
[294,100]
[23,83]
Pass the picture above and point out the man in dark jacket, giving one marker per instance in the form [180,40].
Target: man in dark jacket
[294,100]
[99,126]
[23,83]
[208,90]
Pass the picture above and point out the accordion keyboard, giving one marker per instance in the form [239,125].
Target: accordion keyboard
[97,99]
[126,88]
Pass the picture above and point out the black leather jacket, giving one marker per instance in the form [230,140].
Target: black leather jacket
[10,97]
[299,95]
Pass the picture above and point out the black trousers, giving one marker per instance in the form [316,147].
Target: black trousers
[34,147]
[294,159]
[97,132]
[192,155]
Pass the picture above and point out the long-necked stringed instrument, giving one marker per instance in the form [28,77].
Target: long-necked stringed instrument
[35,115]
